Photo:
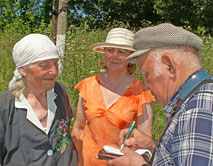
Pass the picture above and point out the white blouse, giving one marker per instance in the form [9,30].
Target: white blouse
[31,115]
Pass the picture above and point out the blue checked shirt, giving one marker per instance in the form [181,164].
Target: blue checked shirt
[188,141]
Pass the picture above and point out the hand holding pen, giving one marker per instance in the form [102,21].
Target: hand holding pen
[136,140]
[128,134]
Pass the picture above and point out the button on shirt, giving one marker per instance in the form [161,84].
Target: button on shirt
[188,141]
[50,152]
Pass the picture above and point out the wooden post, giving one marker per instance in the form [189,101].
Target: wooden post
[54,19]
[61,30]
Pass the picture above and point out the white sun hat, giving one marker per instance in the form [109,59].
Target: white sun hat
[116,38]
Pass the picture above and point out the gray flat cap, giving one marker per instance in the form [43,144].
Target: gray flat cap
[162,35]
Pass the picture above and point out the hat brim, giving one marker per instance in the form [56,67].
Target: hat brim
[99,47]
[132,58]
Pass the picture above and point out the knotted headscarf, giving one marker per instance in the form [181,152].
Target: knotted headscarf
[30,49]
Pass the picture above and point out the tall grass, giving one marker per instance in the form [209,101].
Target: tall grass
[7,40]
[80,63]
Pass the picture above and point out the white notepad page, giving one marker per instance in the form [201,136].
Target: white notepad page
[116,151]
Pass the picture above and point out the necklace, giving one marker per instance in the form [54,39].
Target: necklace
[44,117]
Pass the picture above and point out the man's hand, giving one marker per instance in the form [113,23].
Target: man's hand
[136,140]
[130,158]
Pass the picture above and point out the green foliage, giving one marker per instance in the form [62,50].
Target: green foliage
[103,13]
[7,41]
[44,28]
[100,13]
[31,12]
[188,13]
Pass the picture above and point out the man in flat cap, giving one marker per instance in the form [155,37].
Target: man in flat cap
[168,58]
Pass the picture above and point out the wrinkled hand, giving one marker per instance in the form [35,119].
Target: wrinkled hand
[136,140]
[130,158]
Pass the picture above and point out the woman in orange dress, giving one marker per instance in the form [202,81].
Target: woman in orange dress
[110,101]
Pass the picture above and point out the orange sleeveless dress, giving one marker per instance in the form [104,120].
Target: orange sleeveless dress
[104,124]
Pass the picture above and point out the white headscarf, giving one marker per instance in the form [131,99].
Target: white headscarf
[30,49]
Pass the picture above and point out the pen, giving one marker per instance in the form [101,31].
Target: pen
[129,132]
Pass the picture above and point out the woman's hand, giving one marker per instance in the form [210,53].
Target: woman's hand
[79,125]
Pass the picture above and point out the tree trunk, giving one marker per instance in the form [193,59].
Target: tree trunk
[54,19]
[61,30]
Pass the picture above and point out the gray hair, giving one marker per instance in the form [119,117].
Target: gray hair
[178,53]
[18,87]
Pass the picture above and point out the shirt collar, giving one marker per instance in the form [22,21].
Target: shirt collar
[31,116]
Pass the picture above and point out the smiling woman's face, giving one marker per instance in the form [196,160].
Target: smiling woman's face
[40,75]
[115,58]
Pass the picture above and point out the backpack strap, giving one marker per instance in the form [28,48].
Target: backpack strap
[193,82]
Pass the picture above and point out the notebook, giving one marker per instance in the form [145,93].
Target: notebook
[108,153]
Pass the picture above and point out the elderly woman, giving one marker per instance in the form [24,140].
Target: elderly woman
[35,113]
[110,101]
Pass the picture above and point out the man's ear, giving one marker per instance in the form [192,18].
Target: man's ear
[22,71]
[169,64]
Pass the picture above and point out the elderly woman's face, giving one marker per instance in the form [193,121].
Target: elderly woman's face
[40,75]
